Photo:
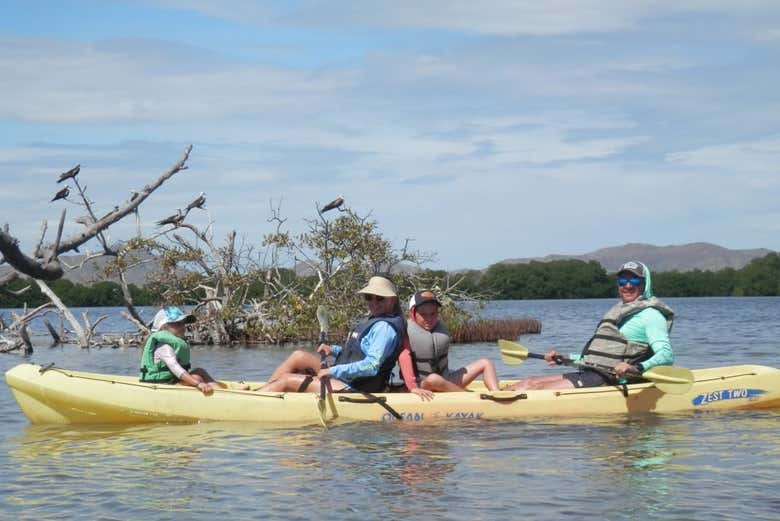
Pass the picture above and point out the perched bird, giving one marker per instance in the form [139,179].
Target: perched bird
[62,194]
[73,172]
[133,195]
[198,202]
[174,219]
[337,202]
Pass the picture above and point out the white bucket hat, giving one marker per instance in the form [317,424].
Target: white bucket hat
[379,286]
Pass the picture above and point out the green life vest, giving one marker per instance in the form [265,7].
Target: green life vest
[152,371]
[608,346]
[430,349]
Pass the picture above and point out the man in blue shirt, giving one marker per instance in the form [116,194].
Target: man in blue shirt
[364,363]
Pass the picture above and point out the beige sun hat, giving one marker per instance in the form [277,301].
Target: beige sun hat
[379,286]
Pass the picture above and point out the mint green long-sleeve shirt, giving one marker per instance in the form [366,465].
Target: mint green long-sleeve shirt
[649,327]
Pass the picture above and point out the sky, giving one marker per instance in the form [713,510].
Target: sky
[481,130]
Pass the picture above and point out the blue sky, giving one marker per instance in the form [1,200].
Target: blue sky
[482,130]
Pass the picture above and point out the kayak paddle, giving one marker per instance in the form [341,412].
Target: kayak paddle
[322,318]
[667,378]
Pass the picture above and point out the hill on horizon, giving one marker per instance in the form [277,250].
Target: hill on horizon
[685,257]
[702,256]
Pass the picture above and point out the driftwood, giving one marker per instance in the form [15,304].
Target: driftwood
[25,336]
[55,337]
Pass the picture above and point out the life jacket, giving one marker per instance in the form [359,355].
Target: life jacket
[152,371]
[608,346]
[430,349]
[352,353]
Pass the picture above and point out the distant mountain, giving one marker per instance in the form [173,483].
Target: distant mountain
[685,257]
[93,270]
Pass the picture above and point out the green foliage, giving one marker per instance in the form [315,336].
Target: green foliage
[761,277]
[541,280]
[293,310]
[99,294]
[578,279]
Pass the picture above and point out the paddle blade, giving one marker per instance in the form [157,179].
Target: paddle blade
[322,318]
[512,353]
[670,379]
[321,411]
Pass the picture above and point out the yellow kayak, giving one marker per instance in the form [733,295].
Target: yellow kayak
[54,395]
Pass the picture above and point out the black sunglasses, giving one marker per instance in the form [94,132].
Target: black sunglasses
[369,298]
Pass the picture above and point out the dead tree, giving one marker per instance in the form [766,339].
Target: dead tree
[44,263]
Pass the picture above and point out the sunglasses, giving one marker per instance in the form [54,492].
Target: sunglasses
[369,298]
[635,281]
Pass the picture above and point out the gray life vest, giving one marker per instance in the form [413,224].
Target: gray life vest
[430,349]
[352,353]
[608,346]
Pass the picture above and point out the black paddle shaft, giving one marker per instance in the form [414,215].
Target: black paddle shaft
[558,359]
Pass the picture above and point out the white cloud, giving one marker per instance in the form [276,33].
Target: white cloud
[609,109]
[492,17]
[109,83]
[745,158]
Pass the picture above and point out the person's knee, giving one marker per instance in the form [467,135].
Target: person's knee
[298,360]
[198,374]
[482,364]
[432,382]
[298,354]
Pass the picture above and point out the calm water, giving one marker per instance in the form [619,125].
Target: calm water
[693,466]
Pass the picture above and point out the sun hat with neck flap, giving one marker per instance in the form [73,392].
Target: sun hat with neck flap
[379,286]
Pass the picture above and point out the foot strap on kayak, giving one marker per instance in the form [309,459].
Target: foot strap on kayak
[305,383]
[370,398]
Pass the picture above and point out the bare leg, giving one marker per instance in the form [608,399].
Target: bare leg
[298,361]
[202,375]
[556,381]
[483,367]
[436,382]
[291,382]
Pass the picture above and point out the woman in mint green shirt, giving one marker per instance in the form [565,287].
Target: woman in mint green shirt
[632,337]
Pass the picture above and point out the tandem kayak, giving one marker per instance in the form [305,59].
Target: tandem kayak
[50,395]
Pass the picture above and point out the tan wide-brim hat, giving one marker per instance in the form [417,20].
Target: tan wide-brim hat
[379,286]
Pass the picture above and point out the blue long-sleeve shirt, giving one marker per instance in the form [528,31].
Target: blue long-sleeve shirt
[376,345]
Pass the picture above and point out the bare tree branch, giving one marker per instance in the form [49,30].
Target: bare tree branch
[46,266]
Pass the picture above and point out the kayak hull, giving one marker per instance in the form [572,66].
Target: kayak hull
[59,396]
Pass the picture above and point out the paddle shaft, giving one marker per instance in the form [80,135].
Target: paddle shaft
[670,379]
[323,365]
[558,359]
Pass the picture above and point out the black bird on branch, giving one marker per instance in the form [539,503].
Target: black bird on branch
[336,203]
[70,174]
[197,203]
[62,194]
[174,219]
